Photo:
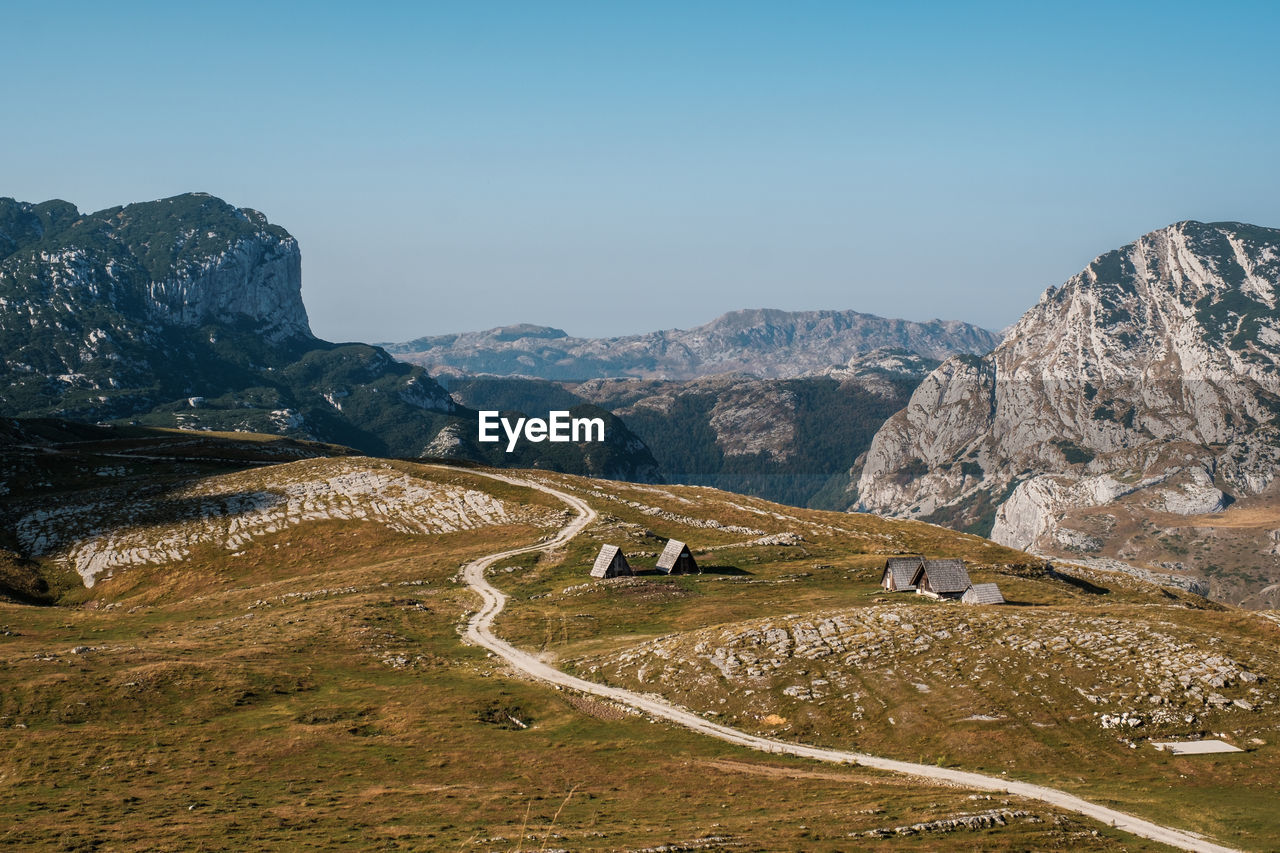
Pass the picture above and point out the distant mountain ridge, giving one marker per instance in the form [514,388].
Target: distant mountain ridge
[188,312]
[764,342]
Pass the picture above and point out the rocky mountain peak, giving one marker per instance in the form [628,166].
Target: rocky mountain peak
[1154,371]
[188,261]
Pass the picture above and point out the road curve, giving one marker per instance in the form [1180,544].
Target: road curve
[479,631]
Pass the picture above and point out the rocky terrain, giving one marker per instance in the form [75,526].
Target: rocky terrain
[787,440]
[267,602]
[188,312]
[1143,676]
[110,529]
[1153,376]
[765,343]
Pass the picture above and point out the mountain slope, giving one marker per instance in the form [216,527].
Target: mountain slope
[1151,377]
[188,312]
[308,648]
[762,342]
[786,440]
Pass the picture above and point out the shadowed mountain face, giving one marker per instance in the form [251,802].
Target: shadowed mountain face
[188,312]
[787,440]
[763,342]
[1148,384]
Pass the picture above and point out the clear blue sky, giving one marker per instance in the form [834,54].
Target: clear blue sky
[612,167]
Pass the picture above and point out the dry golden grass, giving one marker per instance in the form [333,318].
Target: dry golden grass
[317,695]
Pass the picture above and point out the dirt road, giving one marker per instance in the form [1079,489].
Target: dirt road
[479,632]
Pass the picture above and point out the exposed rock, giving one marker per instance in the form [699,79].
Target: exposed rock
[187,312]
[763,342]
[1153,373]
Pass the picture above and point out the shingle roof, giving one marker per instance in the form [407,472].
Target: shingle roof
[605,559]
[945,576]
[671,554]
[903,570]
[983,593]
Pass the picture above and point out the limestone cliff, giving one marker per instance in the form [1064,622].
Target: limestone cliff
[1153,375]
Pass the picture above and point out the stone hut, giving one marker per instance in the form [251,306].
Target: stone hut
[898,572]
[941,579]
[676,559]
[610,563]
[982,593]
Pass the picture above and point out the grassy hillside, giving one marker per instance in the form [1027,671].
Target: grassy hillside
[798,641]
[305,686]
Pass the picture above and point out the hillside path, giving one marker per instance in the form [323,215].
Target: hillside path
[479,631]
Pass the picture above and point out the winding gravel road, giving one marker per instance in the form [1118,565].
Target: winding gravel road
[479,631]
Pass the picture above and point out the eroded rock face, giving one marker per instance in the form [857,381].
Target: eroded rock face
[187,312]
[1152,372]
[258,278]
[187,261]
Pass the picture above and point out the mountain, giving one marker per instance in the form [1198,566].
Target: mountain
[786,440]
[762,342]
[1149,384]
[188,312]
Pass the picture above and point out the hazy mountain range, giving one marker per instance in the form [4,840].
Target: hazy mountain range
[762,342]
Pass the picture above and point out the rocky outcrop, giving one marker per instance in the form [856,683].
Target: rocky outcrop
[184,261]
[256,278]
[762,342]
[188,312]
[1154,373]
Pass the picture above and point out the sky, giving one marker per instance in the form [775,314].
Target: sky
[619,167]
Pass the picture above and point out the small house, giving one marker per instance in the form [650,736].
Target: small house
[676,559]
[982,593]
[898,573]
[610,563]
[941,579]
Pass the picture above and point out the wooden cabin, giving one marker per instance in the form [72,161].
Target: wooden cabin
[676,559]
[983,593]
[610,563]
[941,579]
[898,572]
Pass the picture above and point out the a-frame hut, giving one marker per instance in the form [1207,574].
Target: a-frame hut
[941,579]
[899,572]
[610,563]
[983,593]
[676,559]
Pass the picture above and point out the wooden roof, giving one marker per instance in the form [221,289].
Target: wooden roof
[945,576]
[671,554]
[983,593]
[605,559]
[902,569]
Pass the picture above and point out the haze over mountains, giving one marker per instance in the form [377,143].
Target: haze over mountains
[763,342]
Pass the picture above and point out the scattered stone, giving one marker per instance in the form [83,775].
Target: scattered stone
[980,820]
